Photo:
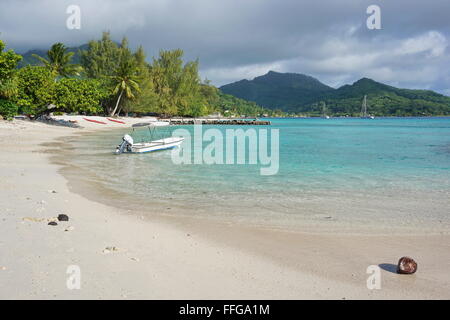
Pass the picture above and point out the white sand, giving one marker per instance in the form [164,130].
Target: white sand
[81,121]
[174,258]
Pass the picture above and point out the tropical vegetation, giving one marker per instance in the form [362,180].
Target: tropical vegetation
[109,78]
[59,62]
[8,81]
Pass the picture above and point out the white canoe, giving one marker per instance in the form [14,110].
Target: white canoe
[156,145]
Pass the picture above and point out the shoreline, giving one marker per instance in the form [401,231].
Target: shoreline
[176,257]
[319,223]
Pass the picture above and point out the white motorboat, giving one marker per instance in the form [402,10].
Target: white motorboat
[129,145]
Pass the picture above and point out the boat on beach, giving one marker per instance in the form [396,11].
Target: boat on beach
[128,145]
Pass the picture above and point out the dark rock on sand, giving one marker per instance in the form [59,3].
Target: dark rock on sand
[63,217]
[52,223]
[49,120]
[406,265]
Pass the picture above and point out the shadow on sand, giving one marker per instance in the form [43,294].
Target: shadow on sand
[389,267]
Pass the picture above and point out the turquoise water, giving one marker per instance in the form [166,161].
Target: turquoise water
[337,171]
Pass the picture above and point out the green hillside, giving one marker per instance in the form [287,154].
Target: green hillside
[296,93]
[278,90]
[384,100]
[231,106]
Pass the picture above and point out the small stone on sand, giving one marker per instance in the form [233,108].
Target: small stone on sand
[63,217]
[109,250]
[52,223]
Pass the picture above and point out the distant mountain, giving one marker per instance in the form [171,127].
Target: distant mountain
[385,100]
[278,90]
[303,94]
[28,58]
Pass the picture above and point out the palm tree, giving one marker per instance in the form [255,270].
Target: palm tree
[125,80]
[58,61]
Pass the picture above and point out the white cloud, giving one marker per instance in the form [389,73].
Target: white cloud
[433,43]
[226,75]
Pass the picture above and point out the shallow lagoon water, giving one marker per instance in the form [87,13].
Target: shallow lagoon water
[335,173]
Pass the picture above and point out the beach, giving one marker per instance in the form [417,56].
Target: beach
[125,254]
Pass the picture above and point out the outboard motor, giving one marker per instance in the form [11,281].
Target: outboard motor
[127,142]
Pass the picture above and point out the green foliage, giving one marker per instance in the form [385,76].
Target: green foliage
[116,79]
[8,61]
[36,89]
[147,101]
[172,87]
[101,58]
[8,109]
[8,64]
[59,61]
[177,85]
[125,78]
[232,106]
[75,95]
[8,87]
[118,68]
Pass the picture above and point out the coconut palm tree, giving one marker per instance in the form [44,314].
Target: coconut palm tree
[125,80]
[59,61]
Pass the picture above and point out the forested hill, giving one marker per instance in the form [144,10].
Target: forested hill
[298,93]
[278,90]
[385,100]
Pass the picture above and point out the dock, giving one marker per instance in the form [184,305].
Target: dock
[236,122]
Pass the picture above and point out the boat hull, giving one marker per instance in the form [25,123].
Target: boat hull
[157,145]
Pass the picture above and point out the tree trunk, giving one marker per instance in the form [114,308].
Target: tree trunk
[120,109]
[117,104]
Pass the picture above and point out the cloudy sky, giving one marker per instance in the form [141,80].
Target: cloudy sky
[236,39]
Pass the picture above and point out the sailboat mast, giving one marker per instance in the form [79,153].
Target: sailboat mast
[364,107]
